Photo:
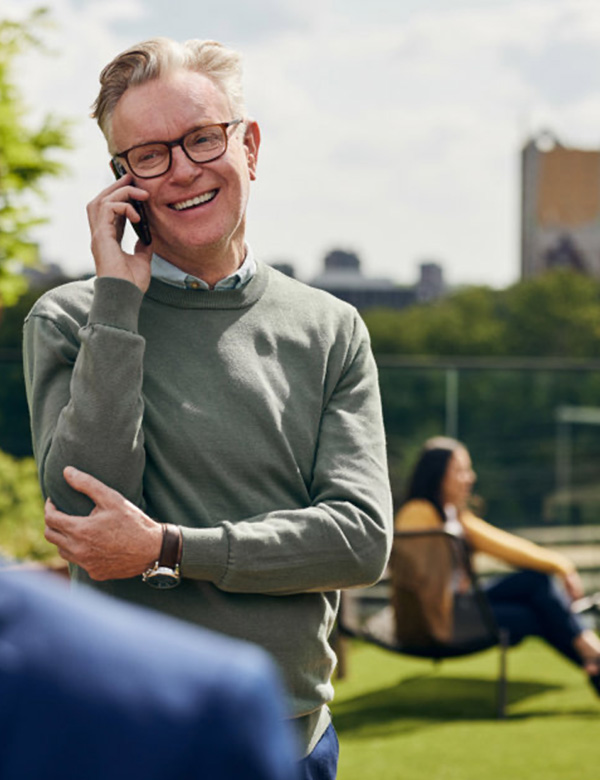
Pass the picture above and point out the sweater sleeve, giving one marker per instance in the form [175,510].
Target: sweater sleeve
[343,537]
[84,392]
[513,549]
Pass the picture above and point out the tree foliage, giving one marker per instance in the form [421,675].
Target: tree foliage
[22,511]
[26,157]
[15,435]
[556,314]
[508,417]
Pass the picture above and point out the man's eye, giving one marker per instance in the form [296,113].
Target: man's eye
[205,138]
[148,155]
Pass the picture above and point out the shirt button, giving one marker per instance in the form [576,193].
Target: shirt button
[193,285]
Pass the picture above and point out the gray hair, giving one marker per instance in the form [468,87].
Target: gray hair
[158,56]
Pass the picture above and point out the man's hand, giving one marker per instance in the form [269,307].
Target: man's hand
[117,540]
[106,216]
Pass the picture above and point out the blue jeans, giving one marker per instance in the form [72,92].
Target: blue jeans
[322,763]
[529,603]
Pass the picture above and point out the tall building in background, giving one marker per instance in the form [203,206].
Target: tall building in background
[431,284]
[560,207]
[342,276]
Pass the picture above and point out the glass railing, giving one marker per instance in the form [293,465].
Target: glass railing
[532,426]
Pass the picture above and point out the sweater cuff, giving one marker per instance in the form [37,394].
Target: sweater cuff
[116,303]
[205,553]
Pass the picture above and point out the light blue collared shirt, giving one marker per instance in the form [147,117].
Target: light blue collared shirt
[165,271]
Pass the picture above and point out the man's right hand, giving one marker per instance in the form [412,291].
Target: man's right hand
[106,217]
[115,541]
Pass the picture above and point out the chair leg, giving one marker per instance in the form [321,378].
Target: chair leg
[502,683]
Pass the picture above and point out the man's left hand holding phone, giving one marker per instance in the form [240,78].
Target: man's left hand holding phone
[142,228]
[106,215]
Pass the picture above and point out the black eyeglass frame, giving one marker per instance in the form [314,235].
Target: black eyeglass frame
[179,142]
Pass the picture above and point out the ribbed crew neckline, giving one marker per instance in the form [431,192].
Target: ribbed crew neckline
[211,299]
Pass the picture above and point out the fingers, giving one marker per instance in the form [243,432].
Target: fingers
[53,516]
[107,212]
[107,215]
[574,585]
[65,533]
[55,531]
[122,189]
[84,483]
[577,591]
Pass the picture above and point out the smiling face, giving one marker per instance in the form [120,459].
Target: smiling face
[197,212]
[458,480]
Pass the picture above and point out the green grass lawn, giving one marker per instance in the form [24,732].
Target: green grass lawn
[400,718]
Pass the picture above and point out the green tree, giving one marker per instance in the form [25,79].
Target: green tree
[465,323]
[15,435]
[556,314]
[508,417]
[22,511]
[26,157]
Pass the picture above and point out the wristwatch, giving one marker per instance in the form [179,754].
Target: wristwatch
[165,572]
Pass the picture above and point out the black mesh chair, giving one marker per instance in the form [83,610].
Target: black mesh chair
[436,609]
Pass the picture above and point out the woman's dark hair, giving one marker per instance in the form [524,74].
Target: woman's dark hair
[429,471]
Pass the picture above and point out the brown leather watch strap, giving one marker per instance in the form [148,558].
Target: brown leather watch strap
[170,552]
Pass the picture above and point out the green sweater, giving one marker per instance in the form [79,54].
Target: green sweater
[252,419]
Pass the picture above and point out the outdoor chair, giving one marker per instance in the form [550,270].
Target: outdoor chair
[426,567]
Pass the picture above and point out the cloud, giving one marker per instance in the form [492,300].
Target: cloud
[411,133]
[561,64]
[226,20]
[390,128]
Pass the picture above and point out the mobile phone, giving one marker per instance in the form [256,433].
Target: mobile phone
[142,228]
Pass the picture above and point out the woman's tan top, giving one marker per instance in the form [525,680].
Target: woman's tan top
[419,514]
[423,574]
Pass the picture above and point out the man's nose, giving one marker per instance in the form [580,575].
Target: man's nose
[181,165]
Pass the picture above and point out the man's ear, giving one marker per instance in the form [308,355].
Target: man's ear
[252,144]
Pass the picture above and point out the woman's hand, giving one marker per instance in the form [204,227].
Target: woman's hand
[573,585]
[106,217]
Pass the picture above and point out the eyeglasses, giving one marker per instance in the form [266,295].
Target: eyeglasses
[201,145]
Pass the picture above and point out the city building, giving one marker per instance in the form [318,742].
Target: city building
[560,207]
[342,277]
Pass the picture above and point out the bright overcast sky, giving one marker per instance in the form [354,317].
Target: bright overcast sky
[390,127]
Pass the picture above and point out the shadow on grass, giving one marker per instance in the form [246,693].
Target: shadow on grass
[419,702]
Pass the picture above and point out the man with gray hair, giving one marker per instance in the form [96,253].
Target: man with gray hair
[208,431]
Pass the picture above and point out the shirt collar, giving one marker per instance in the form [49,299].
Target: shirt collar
[168,273]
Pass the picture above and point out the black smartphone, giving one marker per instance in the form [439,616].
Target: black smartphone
[142,228]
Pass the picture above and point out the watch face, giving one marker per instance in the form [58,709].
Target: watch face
[162,578]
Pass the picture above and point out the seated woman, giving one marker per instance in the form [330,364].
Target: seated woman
[528,602]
